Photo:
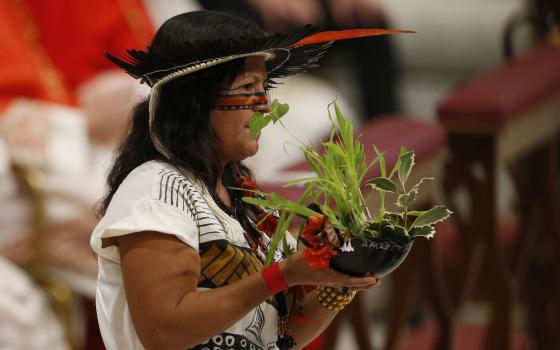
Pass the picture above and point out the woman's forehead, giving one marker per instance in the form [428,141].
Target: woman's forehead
[254,66]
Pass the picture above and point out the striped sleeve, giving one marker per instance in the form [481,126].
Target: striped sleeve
[174,190]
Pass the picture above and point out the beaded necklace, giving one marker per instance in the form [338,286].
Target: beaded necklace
[254,236]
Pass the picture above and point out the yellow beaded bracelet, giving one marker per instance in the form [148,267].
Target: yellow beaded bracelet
[334,299]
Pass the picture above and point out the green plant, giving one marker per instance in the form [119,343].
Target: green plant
[337,190]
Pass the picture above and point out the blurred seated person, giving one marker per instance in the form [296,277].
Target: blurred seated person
[26,319]
[371,61]
[62,106]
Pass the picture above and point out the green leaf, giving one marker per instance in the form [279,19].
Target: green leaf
[257,122]
[311,158]
[259,201]
[282,203]
[381,160]
[416,212]
[424,231]
[282,227]
[405,199]
[369,233]
[382,184]
[394,218]
[432,216]
[301,180]
[281,231]
[259,192]
[285,246]
[331,214]
[278,198]
[416,186]
[395,168]
[278,110]
[394,233]
[406,162]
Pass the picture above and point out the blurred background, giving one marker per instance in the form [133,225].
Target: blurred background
[475,92]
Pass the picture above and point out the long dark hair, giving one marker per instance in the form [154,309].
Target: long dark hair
[182,119]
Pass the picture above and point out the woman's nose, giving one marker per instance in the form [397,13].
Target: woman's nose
[264,108]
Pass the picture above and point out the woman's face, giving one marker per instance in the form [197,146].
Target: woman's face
[232,126]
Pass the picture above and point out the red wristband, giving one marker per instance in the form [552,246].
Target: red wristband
[274,279]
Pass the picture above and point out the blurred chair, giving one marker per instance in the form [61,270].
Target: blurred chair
[509,117]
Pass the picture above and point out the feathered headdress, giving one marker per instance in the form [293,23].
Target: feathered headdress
[285,54]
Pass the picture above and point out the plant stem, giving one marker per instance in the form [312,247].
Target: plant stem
[291,134]
[405,217]
[368,214]
[381,205]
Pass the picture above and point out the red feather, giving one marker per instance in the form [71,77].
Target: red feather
[345,34]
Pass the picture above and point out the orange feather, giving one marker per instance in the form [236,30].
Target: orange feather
[345,34]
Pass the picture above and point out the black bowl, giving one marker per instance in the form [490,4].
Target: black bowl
[378,258]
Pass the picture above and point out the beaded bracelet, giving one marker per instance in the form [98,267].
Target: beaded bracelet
[334,299]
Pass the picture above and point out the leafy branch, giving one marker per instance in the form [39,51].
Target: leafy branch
[337,189]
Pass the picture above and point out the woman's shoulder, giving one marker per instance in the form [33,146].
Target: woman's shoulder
[157,176]
[153,197]
[153,169]
[156,181]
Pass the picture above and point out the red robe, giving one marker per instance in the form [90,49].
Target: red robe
[49,48]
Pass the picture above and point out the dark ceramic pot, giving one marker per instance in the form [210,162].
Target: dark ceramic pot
[378,258]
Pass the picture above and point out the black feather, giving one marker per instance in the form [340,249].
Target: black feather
[157,62]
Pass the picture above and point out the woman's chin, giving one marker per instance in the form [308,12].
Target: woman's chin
[253,150]
[249,151]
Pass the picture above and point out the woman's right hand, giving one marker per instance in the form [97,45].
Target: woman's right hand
[297,271]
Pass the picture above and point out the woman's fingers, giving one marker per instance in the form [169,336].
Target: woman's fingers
[345,285]
[337,279]
[358,289]
[297,271]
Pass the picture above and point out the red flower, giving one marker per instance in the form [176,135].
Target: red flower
[319,258]
[320,250]
[316,222]
[268,225]
[246,183]
[312,230]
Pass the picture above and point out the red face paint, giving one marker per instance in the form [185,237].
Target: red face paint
[257,102]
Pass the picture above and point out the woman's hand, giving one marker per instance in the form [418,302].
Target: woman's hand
[297,271]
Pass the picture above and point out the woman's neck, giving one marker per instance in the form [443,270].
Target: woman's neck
[223,194]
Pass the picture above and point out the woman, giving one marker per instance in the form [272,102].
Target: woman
[179,258]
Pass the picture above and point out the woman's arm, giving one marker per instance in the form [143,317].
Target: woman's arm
[319,318]
[160,276]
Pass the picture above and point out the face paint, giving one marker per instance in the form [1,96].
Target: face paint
[256,101]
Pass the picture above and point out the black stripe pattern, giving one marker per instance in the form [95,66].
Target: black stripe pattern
[174,189]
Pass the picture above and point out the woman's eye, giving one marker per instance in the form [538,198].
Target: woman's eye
[248,86]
